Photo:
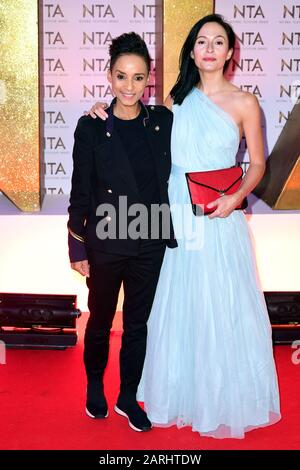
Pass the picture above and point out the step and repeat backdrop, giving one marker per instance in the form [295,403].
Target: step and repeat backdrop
[76,36]
[74,40]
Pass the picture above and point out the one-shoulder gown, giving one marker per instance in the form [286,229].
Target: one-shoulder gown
[209,361]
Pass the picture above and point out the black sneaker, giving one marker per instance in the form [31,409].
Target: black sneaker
[137,418]
[96,404]
[95,411]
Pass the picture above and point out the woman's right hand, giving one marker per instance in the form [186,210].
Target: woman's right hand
[98,109]
[82,267]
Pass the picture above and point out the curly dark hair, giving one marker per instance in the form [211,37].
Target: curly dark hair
[129,43]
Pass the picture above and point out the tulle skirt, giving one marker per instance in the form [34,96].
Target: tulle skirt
[209,361]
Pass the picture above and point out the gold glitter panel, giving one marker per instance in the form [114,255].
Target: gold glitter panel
[178,18]
[19,103]
[290,196]
[280,186]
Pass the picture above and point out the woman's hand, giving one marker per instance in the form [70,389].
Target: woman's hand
[224,205]
[98,110]
[82,267]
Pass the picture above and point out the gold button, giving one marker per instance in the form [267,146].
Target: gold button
[156,128]
[107,134]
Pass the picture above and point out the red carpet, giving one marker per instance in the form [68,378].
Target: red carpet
[42,407]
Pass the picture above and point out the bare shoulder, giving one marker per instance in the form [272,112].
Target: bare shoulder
[244,100]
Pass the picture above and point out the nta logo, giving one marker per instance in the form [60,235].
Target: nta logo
[145,11]
[291,65]
[250,38]
[95,10]
[53,91]
[292,39]
[54,143]
[95,65]
[53,38]
[54,65]
[248,11]
[53,10]
[247,65]
[54,169]
[97,38]
[254,89]
[292,11]
[54,117]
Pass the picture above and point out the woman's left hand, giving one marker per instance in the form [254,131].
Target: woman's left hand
[224,206]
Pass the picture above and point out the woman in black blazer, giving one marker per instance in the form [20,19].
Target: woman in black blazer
[121,171]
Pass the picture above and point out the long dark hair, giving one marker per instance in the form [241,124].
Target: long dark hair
[129,43]
[188,73]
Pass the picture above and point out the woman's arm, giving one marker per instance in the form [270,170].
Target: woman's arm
[249,111]
[251,121]
[98,109]
[80,198]
[168,103]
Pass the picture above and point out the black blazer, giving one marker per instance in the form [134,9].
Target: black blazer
[102,173]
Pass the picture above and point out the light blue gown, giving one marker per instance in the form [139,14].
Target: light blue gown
[209,361]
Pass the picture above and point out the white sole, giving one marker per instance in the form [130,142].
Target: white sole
[92,416]
[121,413]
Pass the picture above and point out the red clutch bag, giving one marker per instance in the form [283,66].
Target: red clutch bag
[206,186]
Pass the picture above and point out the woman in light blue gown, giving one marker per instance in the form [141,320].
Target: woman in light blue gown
[209,361]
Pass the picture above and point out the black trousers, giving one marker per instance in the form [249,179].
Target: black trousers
[139,275]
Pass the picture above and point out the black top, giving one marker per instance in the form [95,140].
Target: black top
[133,136]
